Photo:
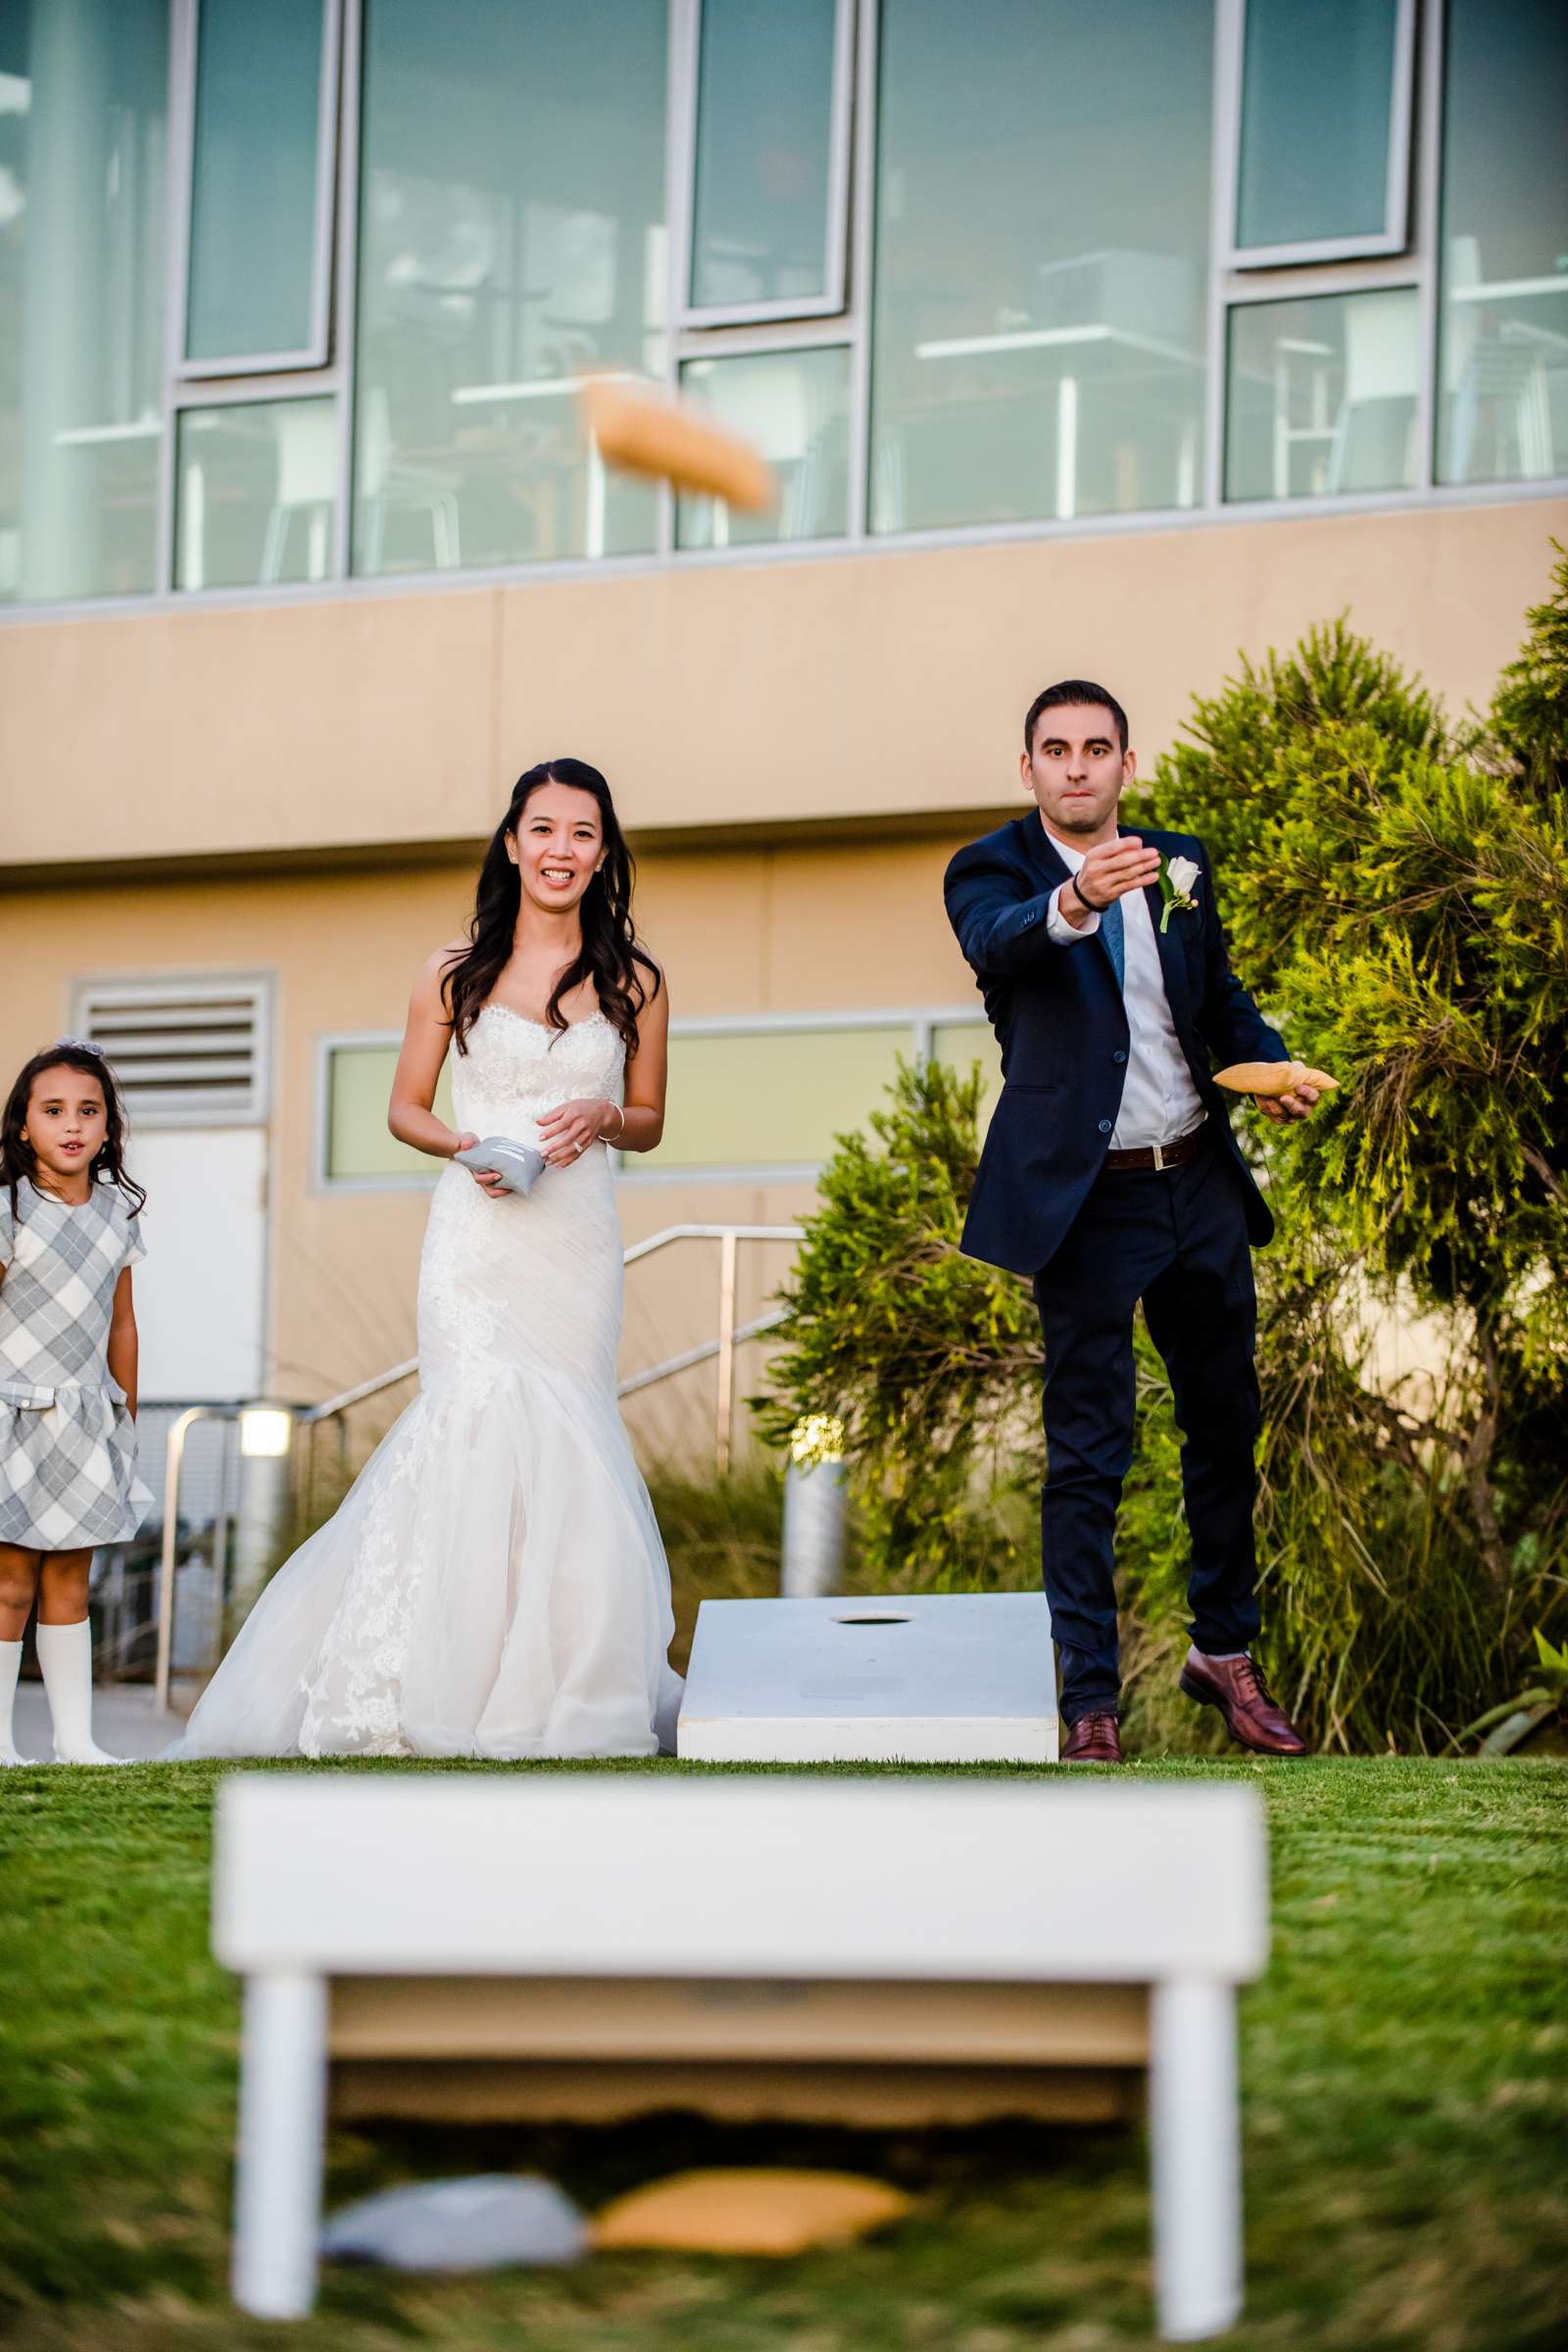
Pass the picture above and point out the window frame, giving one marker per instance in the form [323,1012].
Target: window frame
[326,1043]
[184,87]
[686,49]
[250,392]
[917,1021]
[1236,285]
[1275,296]
[1394,236]
[788,342]
[738,334]
[1440,298]
[236,384]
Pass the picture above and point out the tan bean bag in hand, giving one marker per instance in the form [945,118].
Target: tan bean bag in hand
[1272,1078]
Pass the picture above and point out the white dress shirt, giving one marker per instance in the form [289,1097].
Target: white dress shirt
[1160,1102]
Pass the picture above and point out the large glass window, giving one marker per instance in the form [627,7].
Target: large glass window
[260,214]
[82,160]
[1504,336]
[966,1045]
[1323,395]
[257,493]
[773,1098]
[1042,256]
[1323,151]
[769,181]
[754,1099]
[793,407]
[510,239]
[358,1148]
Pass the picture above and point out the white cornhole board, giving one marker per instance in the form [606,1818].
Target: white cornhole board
[945,1678]
[822,1924]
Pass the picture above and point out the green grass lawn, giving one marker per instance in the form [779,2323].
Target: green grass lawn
[1405,2066]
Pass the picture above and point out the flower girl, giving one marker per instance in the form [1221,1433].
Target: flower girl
[69,1239]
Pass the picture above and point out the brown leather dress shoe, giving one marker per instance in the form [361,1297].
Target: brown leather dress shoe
[1094,1740]
[1252,1714]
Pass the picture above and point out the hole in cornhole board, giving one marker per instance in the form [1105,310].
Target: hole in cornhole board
[871,1621]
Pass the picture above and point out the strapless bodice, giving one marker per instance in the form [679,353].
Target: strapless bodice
[516,1070]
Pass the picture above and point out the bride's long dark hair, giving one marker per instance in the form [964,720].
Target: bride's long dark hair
[610,954]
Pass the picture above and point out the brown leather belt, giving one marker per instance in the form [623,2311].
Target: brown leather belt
[1160,1156]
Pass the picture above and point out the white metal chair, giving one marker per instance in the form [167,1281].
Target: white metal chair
[307,485]
[385,482]
[1382,383]
[1495,383]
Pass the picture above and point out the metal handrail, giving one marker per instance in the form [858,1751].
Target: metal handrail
[173,1462]
[367,1388]
[698,1355]
[730,1235]
[729,1239]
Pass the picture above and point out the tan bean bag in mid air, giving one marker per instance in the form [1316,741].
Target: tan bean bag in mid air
[665,443]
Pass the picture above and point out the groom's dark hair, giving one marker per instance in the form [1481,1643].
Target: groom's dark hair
[1072,690]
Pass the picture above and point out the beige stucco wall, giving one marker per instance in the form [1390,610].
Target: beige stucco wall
[883,689]
[879,684]
[751,930]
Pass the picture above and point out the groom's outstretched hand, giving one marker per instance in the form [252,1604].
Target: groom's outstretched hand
[1109,870]
[1298,1104]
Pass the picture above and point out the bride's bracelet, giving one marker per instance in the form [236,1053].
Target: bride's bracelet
[621,1129]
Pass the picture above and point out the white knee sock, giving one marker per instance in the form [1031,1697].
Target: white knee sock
[65,1655]
[10,1668]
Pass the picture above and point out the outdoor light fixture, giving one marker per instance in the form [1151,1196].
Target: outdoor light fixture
[264,1429]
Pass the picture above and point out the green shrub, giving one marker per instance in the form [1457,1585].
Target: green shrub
[1403,904]
[1398,897]
[924,1353]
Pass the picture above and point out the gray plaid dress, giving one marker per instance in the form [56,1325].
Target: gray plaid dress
[67,1443]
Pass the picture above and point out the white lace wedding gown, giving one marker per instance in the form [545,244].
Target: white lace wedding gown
[494,1584]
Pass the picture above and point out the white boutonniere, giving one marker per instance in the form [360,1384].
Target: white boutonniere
[1178,879]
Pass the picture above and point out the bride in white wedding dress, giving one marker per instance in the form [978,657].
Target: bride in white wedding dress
[494,1584]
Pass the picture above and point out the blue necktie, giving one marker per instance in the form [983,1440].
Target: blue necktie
[1110,931]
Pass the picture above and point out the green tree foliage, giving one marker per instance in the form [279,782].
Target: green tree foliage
[1402,905]
[1527,733]
[1397,895]
[924,1354]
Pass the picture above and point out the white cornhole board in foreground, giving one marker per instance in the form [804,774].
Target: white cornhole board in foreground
[874,1949]
[948,1678]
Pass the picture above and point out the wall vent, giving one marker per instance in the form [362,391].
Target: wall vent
[186,1052]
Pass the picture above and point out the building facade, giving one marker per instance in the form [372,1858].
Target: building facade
[1102,340]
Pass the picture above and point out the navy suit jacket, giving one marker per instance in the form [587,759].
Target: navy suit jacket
[1060,1016]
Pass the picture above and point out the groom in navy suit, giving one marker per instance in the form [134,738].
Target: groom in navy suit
[1111,1175]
